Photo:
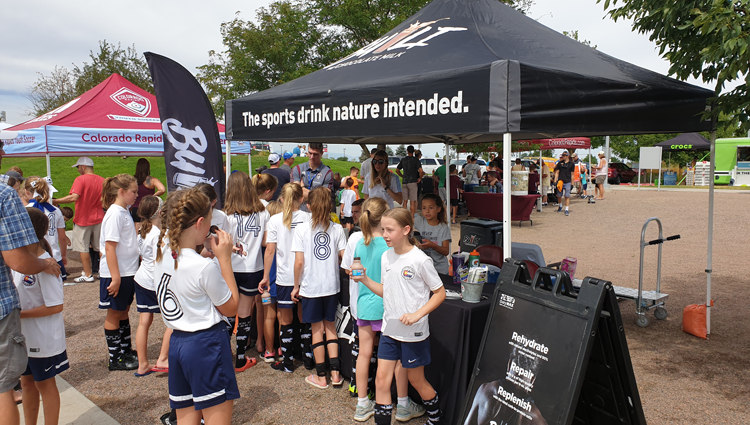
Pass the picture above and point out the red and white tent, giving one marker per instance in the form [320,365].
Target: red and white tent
[114,118]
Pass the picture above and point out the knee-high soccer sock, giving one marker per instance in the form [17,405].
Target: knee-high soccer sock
[94,260]
[383,414]
[232,320]
[306,345]
[433,410]
[373,370]
[243,329]
[353,380]
[125,346]
[113,344]
[286,335]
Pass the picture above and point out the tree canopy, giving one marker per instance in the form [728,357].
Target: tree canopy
[702,39]
[292,38]
[62,85]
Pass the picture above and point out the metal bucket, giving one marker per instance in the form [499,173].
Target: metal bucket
[471,292]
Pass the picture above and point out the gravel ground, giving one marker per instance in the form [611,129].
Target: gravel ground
[680,377]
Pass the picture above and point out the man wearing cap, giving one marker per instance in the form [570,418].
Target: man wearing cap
[87,195]
[601,175]
[313,173]
[16,234]
[563,172]
[282,176]
[288,162]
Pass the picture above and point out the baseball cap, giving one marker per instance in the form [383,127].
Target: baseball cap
[15,175]
[288,155]
[273,158]
[84,160]
[48,181]
[601,153]
[565,152]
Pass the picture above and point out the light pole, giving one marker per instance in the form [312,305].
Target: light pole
[282,148]
[345,154]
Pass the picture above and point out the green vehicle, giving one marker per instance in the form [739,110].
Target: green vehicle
[732,162]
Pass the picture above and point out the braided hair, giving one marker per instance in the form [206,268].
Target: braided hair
[184,208]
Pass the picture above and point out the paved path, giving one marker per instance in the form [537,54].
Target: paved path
[75,408]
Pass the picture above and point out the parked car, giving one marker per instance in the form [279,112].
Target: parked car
[393,162]
[620,173]
[429,165]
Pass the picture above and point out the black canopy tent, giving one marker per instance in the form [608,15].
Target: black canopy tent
[470,71]
[684,142]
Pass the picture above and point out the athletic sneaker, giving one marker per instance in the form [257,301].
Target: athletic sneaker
[281,367]
[567,213]
[363,413]
[83,278]
[407,413]
[123,364]
[268,357]
[559,208]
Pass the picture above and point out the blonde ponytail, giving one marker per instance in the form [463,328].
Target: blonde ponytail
[372,212]
[290,193]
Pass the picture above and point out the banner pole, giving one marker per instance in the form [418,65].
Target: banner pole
[229,160]
[49,169]
[709,256]
[506,195]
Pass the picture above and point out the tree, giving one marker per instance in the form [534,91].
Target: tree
[389,151]
[292,38]
[61,85]
[401,151]
[574,35]
[706,39]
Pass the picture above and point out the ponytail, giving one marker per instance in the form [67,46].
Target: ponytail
[264,182]
[372,211]
[111,188]
[148,211]
[290,193]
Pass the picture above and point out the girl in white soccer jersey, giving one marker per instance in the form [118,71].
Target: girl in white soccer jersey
[194,294]
[247,218]
[41,297]
[118,243]
[269,309]
[265,186]
[218,218]
[318,246]
[279,235]
[42,189]
[145,290]
[408,277]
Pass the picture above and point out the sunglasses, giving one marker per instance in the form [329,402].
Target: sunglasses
[378,161]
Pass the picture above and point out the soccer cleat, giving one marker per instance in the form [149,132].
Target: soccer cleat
[567,213]
[407,413]
[83,278]
[268,357]
[130,355]
[363,413]
[281,367]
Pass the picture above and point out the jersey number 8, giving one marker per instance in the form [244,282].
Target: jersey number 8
[322,245]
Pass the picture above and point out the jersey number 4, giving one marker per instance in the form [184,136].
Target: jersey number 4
[249,224]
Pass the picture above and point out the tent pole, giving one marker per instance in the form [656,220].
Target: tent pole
[447,205]
[709,257]
[605,185]
[229,160]
[49,169]
[506,195]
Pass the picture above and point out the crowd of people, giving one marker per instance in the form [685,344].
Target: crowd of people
[265,267]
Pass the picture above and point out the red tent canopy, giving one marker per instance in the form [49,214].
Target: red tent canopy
[564,143]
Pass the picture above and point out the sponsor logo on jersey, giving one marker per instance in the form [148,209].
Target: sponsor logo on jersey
[407,273]
[29,280]
[132,101]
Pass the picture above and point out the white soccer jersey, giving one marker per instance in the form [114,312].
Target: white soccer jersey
[45,336]
[56,222]
[147,248]
[219,219]
[282,236]
[320,277]
[248,230]
[408,280]
[118,226]
[346,263]
[347,198]
[188,296]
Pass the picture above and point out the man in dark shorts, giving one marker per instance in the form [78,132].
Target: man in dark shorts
[282,176]
[411,176]
[563,172]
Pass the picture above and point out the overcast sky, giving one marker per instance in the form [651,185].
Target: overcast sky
[39,34]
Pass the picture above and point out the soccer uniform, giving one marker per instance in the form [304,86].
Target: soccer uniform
[45,336]
[346,264]
[347,198]
[56,222]
[247,231]
[201,372]
[437,234]
[408,280]
[118,226]
[282,236]
[219,219]
[145,290]
[319,284]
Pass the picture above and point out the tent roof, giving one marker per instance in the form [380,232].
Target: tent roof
[513,75]
[686,142]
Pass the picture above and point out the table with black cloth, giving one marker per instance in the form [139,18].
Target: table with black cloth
[490,205]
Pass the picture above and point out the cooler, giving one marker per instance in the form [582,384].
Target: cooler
[480,231]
